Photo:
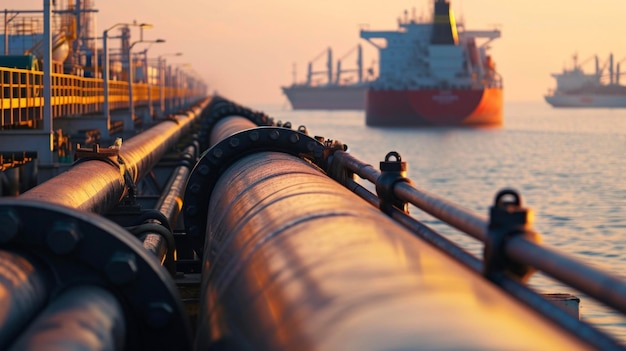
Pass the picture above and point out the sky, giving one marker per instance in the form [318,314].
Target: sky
[246,49]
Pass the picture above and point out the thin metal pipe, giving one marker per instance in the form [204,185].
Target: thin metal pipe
[97,186]
[363,170]
[448,212]
[155,244]
[597,284]
[81,319]
[422,231]
[454,215]
[170,204]
[581,329]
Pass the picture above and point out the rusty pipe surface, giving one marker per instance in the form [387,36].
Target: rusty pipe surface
[82,318]
[293,260]
[98,186]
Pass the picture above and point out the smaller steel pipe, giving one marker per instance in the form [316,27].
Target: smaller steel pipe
[597,284]
[422,231]
[363,170]
[155,244]
[448,212]
[454,215]
[584,331]
[97,186]
[170,204]
[23,292]
[81,319]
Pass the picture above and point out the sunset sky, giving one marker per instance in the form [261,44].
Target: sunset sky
[246,49]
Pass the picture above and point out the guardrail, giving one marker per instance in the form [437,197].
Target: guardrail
[21,96]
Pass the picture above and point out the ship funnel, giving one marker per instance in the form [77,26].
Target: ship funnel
[444,25]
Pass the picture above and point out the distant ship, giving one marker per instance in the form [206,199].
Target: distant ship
[575,88]
[433,72]
[336,92]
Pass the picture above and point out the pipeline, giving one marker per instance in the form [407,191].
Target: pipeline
[82,282]
[290,263]
[91,186]
[263,237]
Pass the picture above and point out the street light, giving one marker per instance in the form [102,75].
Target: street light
[131,75]
[180,84]
[161,63]
[105,68]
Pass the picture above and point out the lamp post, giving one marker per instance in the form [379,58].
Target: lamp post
[131,75]
[105,68]
[179,76]
[161,63]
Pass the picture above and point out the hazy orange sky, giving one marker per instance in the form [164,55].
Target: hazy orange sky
[246,49]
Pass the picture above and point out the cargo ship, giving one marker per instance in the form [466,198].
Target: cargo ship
[432,71]
[336,91]
[575,88]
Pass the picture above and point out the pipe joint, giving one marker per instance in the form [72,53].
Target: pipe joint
[87,249]
[223,154]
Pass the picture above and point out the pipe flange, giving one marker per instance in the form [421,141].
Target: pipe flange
[218,158]
[221,108]
[84,248]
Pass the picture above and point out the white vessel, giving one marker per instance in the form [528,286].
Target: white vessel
[575,88]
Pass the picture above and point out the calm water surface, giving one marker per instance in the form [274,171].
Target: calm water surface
[568,164]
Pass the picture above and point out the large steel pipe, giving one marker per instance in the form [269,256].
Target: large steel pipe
[24,289]
[98,186]
[294,261]
[81,319]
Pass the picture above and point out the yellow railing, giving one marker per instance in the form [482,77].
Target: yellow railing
[21,96]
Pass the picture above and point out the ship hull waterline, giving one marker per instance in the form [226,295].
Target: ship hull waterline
[339,97]
[434,107]
[587,101]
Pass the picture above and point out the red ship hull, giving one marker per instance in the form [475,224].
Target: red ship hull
[434,107]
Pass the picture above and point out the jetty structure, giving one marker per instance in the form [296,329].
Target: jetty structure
[217,227]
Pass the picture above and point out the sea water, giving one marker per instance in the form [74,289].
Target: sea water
[569,165]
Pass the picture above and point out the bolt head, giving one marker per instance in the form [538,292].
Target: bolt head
[63,238]
[121,268]
[9,225]
[159,314]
